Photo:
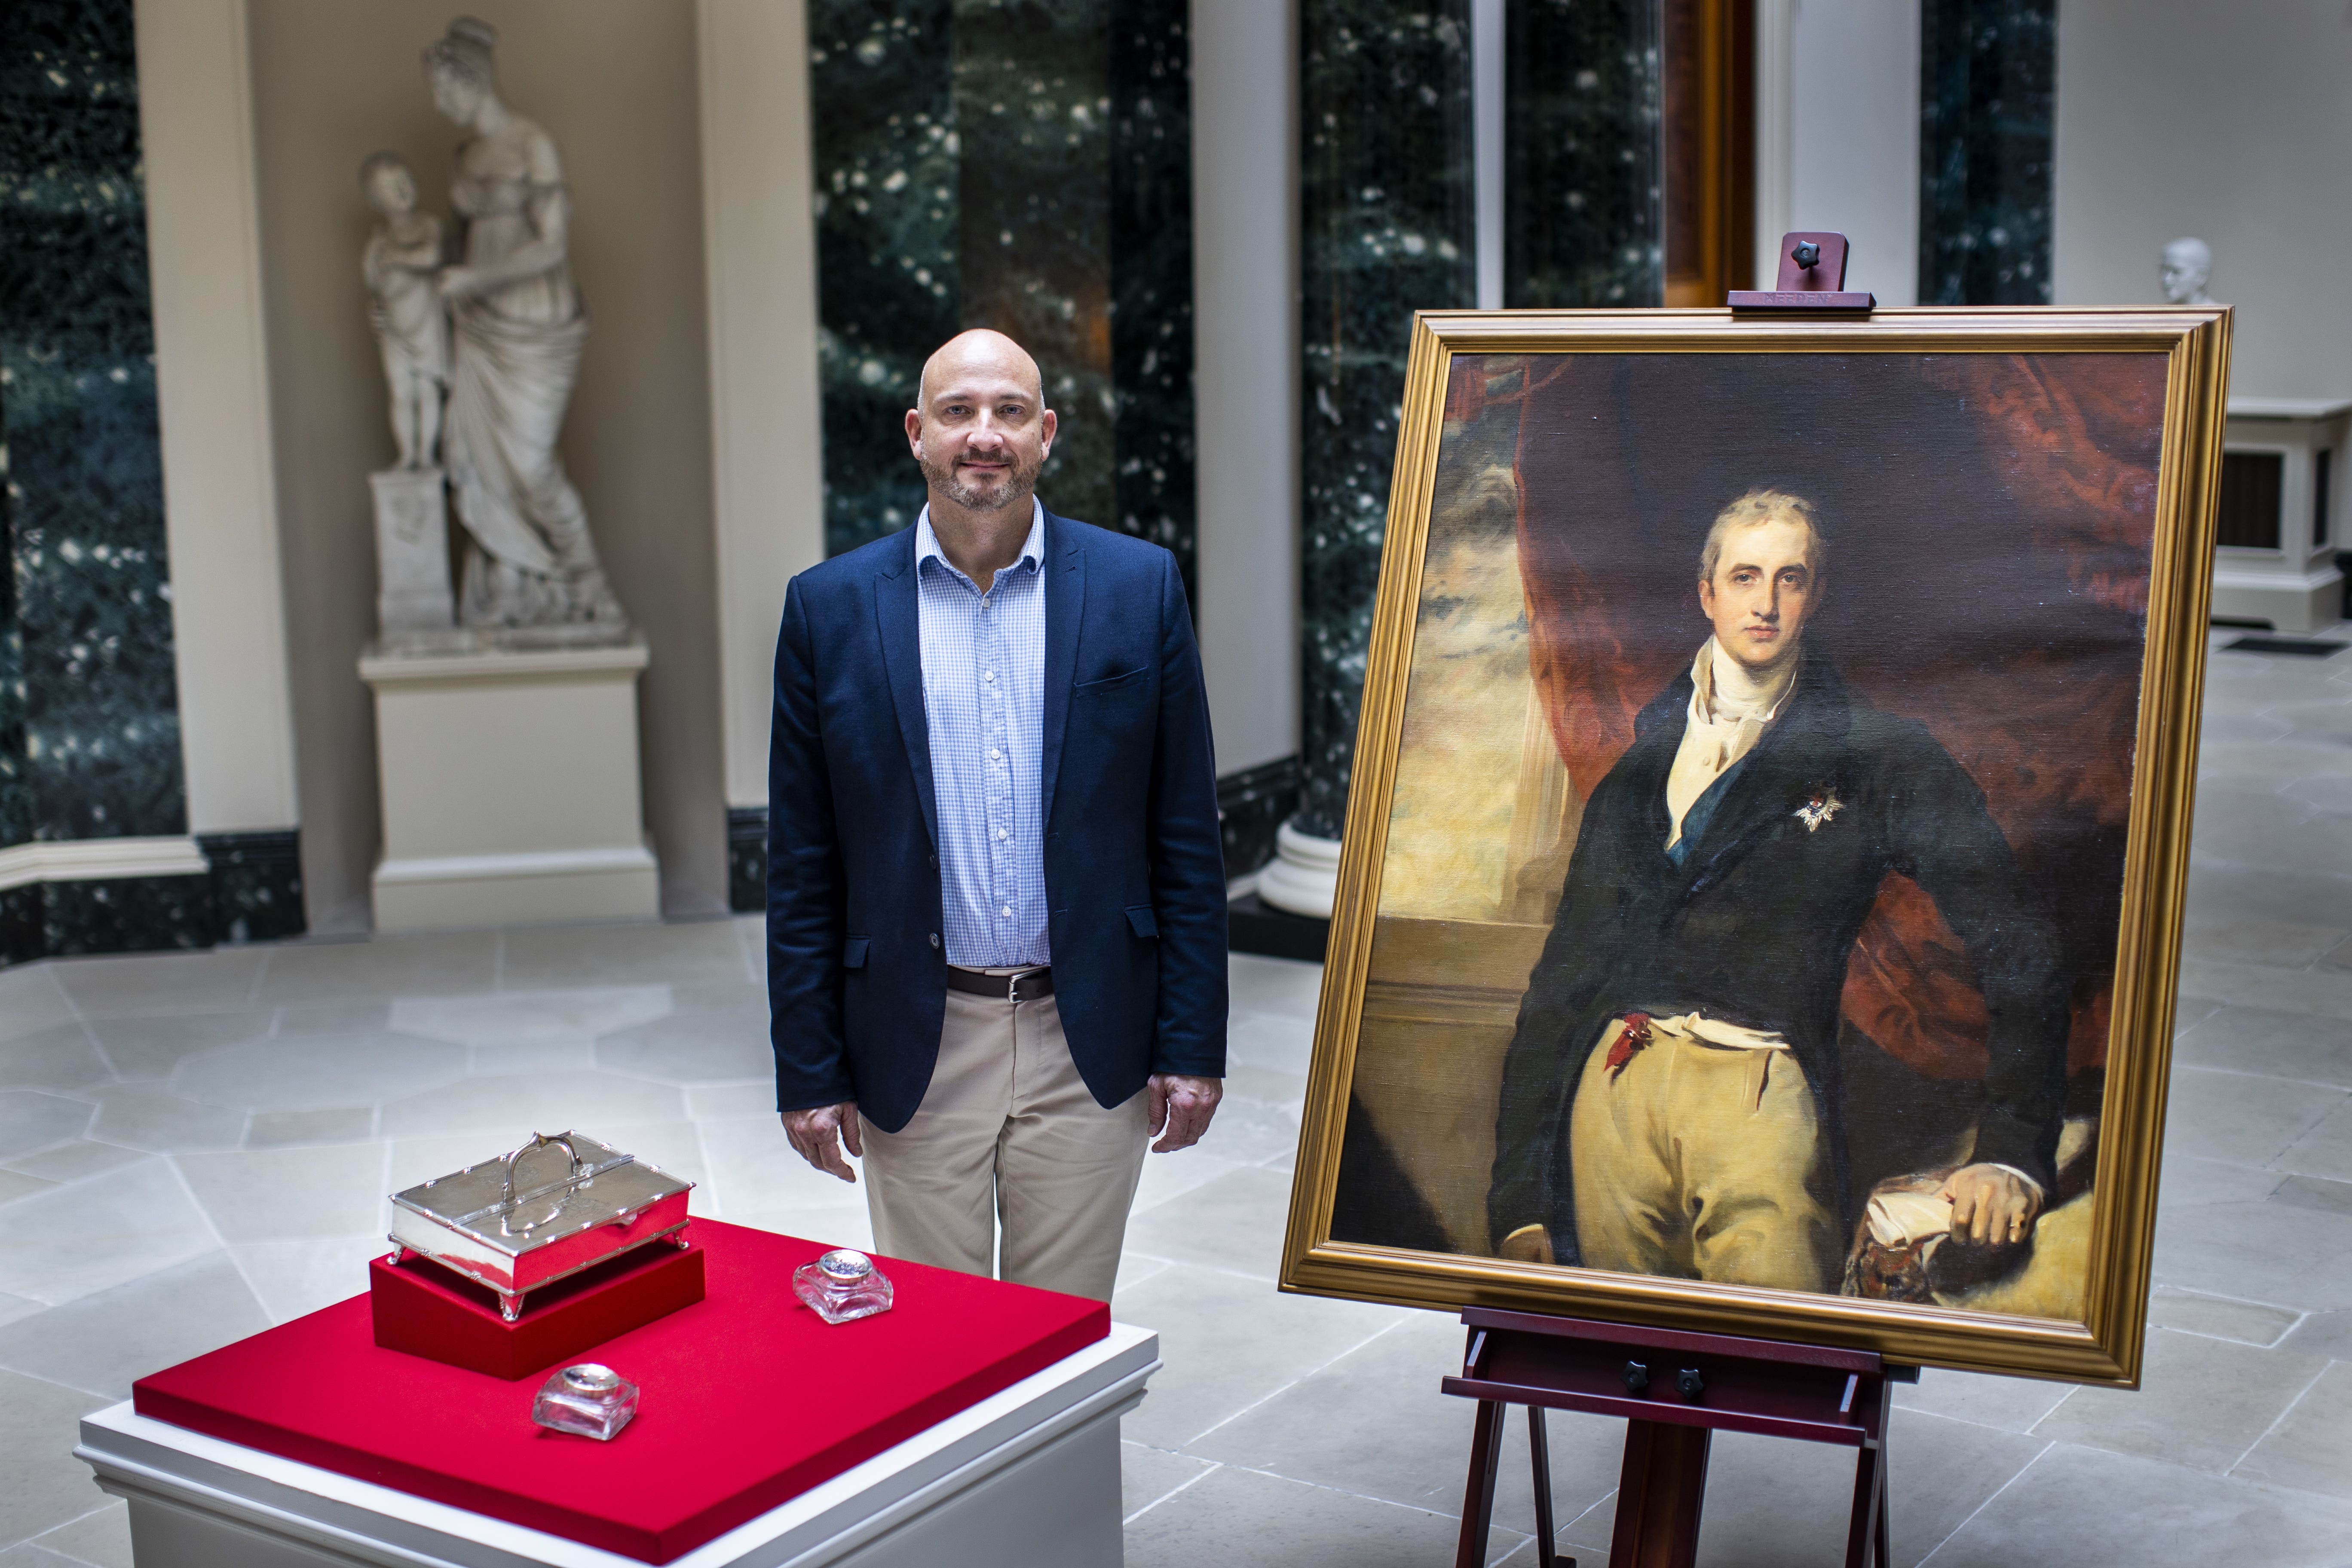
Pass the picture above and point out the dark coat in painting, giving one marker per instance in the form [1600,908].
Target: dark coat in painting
[1757,923]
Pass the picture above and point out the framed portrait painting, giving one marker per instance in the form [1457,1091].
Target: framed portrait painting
[1760,902]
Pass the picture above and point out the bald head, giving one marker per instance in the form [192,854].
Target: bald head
[979,352]
[981,430]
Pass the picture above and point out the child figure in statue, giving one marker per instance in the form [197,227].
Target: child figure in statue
[404,306]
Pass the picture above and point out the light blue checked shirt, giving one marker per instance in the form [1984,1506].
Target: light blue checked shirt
[984,704]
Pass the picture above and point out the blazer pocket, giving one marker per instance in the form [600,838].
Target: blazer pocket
[854,950]
[1114,683]
[1145,923]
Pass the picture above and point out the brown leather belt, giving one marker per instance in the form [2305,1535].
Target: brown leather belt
[1026,986]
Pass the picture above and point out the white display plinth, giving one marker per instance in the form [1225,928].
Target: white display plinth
[2293,584]
[1026,1478]
[510,788]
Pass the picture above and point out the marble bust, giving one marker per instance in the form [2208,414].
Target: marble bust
[2186,268]
[517,327]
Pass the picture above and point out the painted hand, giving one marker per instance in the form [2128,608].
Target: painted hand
[1180,1109]
[1993,1205]
[1529,1244]
[818,1133]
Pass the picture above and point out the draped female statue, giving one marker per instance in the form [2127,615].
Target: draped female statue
[517,326]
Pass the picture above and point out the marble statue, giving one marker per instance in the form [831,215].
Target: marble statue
[517,326]
[404,306]
[401,267]
[2186,268]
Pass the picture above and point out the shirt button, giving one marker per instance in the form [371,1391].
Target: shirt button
[1008,911]
[989,676]
[992,753]
[1000,832]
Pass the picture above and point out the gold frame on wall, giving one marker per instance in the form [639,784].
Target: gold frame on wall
[2106,1347]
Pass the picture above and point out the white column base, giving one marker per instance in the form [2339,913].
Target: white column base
[511,792]
[1304,876]
[2298,602]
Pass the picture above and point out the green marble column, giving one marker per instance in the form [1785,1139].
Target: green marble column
[1582,221]
[89,740]
[1015,165]
[1387,227]
[1988,95]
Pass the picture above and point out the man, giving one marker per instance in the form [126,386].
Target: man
[996,895]
[1672,1101]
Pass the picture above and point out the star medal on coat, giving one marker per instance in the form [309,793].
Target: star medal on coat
[1820,809]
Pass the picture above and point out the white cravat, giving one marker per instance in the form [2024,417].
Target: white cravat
[1729,706]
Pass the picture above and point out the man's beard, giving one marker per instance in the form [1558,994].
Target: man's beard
[1013,487]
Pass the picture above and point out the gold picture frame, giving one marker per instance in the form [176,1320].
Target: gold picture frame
[1466,977]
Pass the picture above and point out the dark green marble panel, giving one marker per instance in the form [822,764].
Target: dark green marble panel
[747,859]
[1020,164]
[1034,114]
[1152,274]
[1387,227]
[126,914]
[1988,95]
[93,728]
[888,243]
[1252,806]
[256,885]
[1581,220]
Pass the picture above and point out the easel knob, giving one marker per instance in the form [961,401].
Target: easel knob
[1811,281]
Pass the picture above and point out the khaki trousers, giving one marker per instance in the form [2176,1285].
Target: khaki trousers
[1009,1133]
[1701,1162]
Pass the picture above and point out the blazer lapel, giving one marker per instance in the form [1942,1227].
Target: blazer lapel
[1065,602]
[899,618]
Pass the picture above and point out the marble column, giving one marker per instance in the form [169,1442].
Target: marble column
[1987,86]
[1018,165]
[90,745]
[1581,222]
[1387,226]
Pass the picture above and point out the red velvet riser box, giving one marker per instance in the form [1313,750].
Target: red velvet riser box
[423,1309]
[750,1398]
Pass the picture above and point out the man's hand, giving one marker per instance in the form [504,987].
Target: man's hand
[1180,1107]
[813,1131]
[1993,1205]
[1529,1244]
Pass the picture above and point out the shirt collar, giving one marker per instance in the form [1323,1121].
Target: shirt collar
[1723,691]
[1033,549]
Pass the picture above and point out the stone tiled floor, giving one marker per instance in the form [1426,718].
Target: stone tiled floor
[192,1147]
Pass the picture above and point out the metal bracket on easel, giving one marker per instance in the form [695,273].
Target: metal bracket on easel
[1811,282]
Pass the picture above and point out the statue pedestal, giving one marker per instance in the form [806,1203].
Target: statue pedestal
[510,788]
[2283,470]
[412,554]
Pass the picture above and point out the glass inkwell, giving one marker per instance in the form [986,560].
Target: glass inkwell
[842,1285]
[589,1399]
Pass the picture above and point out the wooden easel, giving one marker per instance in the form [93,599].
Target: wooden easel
[1675,1391]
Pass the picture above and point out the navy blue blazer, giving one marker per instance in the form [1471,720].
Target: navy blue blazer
[1135,876]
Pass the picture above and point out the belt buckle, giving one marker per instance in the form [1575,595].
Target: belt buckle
[1013,989]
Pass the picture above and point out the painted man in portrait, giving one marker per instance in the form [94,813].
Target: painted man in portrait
[1671,1098]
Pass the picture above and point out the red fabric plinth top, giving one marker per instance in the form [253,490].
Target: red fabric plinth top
[748,1400]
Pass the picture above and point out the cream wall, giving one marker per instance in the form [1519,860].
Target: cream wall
[220,509]
[1245,333]
[759,228]
[1837,136]
[2225,121]
[616,83]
